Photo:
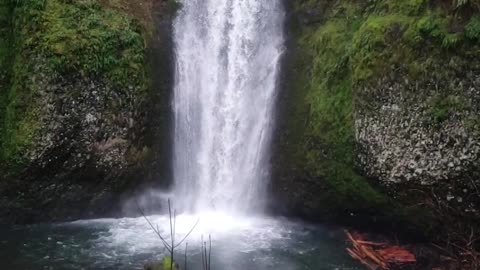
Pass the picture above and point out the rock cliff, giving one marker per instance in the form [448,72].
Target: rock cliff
[77,100]
[381,118]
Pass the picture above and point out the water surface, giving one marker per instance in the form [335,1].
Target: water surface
[237,244]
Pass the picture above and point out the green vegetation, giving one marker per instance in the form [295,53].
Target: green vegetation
[473,123]
[5,34]
[6,57]
[82,37]
[443,107]
[350,46]
[329,98]
[67,39]
[473,28]
[320,120]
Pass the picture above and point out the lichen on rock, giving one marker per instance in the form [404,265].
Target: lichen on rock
[74,110]
[381,110]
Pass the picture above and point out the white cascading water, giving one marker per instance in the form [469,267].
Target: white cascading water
[227,54]
[227,64]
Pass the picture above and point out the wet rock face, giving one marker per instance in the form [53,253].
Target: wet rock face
[83,125]
[424,135]
[87,147]
[83,121]
[384,115]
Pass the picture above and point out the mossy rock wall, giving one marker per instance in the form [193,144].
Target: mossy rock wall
[379,120]
[73,106]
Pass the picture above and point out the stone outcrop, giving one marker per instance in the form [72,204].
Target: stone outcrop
[380,118]
[84,118]
[423,135]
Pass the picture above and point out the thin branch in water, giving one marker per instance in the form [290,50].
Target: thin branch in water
[203,256]
[186,247]
[173,223]
[209,251]
[206,258]
[171,235]
[191,230]
[163,240]
[167,246]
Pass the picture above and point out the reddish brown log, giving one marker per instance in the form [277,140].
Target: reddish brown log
[358,257]
[371,243]
[377,255]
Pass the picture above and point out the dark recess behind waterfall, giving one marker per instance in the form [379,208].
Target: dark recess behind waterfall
[157,174]
[277,204]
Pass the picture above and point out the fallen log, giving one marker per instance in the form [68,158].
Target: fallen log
[365,262]
[371,243]
[377,255]
[397,254]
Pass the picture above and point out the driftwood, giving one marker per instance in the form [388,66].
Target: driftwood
[377,255]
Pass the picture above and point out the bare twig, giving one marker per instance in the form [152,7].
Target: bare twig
[209,251]
[203,256]
[206,254]
[167,246]
[172,238]
[191,230]
[186,247]
[173,223]
[206,258]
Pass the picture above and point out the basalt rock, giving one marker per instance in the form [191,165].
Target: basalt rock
[82,121]
[379,120]
[407,137]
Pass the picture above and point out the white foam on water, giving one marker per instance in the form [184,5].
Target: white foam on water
[245,234]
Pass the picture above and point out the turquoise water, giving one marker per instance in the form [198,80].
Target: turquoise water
[237,244]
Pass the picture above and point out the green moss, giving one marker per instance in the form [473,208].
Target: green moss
[442,108]
[348,191]
[473,123]
[372,45]
[329,98]
[397,33]
[350,45]
[84,38]
[401,7]
[473,28]
[435,25]
[321,137]
[71,39]
[6,57]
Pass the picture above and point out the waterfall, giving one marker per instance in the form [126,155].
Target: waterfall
[227,65]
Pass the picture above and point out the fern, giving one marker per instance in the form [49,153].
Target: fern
[472,29]
[451,40]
